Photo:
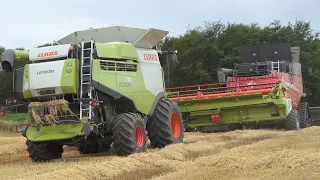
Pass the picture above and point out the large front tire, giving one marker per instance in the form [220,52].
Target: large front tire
[165,127]
[129,134]
[43,152]
[292,121]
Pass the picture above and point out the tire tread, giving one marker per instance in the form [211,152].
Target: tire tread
[42,152]
[158,126]
[303,112]
[291,120]
[123,133]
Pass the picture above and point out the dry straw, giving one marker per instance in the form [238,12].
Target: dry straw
[53,109]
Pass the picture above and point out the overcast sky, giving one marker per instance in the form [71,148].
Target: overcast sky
[35,22]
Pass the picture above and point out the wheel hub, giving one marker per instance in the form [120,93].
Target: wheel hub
[139,136]
[175,125]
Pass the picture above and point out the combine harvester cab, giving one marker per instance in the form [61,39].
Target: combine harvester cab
[265,89]
[97,87]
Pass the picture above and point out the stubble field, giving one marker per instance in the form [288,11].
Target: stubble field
[242,155]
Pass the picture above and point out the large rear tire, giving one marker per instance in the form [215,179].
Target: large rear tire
[166,126]
[129,134]
[292,121]
[42,152]
[304,115]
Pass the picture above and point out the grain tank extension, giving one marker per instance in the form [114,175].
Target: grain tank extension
[98,87]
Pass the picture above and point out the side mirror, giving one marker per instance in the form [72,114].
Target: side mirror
[168,53]
[310,71]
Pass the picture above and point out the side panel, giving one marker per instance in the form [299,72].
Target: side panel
[151,70]
[237,109]
[295,88]
[50,78]
[240,115]
[45,76]
[26,82]
[123,79]
[69,77]
[140,81]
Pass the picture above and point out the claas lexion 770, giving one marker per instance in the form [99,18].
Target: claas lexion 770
[97,87]
[264,90]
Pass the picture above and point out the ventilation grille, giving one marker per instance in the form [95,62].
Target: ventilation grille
[112,66]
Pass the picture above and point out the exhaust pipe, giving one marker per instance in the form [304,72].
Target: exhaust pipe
[9,56]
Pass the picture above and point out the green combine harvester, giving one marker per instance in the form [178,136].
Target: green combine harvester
[264,90]
[97,87]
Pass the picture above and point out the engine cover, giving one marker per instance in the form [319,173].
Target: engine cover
[47,78]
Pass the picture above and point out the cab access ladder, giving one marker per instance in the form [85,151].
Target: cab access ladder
[85,81]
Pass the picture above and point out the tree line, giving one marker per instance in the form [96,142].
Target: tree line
[202,50]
